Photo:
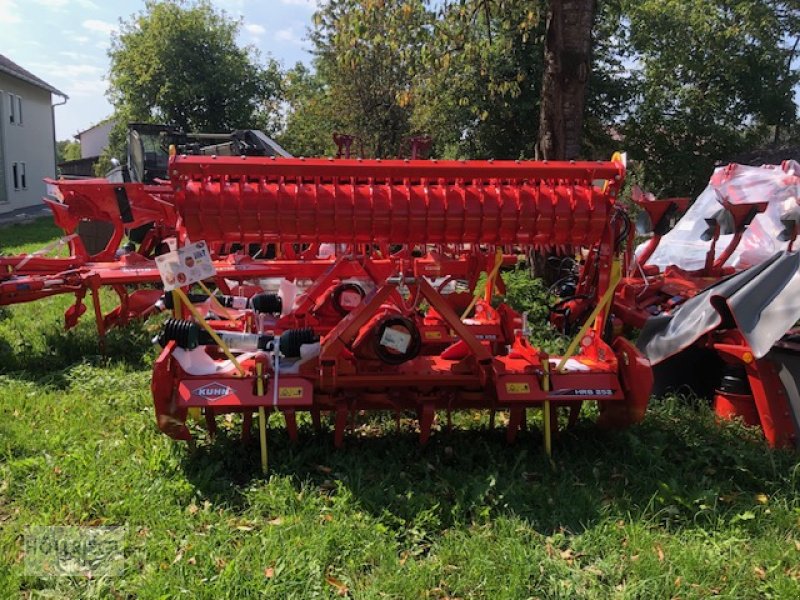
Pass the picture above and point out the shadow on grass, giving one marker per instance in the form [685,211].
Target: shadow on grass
[46,355]
[678,469]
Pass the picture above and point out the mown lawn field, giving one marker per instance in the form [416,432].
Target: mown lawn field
[677,507]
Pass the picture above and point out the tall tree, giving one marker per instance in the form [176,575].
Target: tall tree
[312,118]
[784,112]
[469,72]
[683,82]
[610,90]
[709,91]
[367,53]
[479,94]
[178,62]
[567,64]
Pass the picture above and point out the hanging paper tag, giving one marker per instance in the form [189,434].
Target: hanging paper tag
[185,266]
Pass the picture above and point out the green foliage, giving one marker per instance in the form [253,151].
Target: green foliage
[610,90]
[527,294]
[709,77]
[178,63]
[310,124]
[479,94]
[67,150]
[469,74]
[367,53]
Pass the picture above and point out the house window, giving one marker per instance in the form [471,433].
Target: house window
[11,109]
[23,181]
[15,175]
[19,110]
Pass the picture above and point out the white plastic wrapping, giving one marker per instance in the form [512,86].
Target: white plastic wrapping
[779,185]
[198,362]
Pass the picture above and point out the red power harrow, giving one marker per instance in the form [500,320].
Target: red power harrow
[367,300]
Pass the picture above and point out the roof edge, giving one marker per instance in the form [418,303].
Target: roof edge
[11,68]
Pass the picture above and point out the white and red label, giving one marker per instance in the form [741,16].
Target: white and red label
[185,266]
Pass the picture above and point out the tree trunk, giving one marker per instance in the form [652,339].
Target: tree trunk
[567,56]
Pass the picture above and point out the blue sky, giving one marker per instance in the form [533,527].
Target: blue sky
[65,43]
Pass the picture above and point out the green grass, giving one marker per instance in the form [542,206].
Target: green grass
[675,507]
[29,237]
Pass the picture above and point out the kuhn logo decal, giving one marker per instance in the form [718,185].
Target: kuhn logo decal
[212,391]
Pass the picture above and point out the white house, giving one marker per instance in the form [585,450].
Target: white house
[95,139]
[27,136]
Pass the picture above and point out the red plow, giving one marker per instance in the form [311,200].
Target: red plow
[93,264]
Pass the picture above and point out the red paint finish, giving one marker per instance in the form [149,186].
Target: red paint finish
[256,200]
[729,406]
[769,406]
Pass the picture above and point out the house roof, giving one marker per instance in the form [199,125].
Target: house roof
[10,67]
[105,121]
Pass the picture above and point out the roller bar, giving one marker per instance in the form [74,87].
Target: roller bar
[257,200]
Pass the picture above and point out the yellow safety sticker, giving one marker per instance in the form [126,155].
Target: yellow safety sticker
[290,392]
[433,335]
[518,388]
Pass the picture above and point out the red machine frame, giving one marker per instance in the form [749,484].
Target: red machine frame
[647,291]
[468,211]
[396,224]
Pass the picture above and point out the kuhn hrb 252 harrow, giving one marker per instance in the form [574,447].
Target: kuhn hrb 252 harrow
[349,285]
[366,315]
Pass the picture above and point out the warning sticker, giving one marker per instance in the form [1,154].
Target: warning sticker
[185,266]
[433,335]
[518,388]
[395,340]
[290,392]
